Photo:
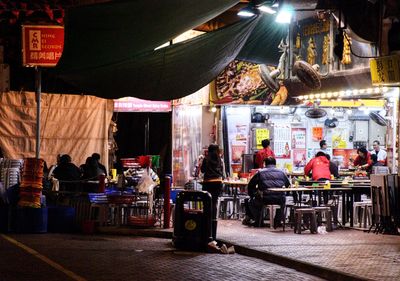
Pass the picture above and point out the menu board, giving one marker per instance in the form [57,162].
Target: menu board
[261,134]
[298,138]
[281,141]
[343,157]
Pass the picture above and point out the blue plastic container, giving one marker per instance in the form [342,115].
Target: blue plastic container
[174,194]
[27,220]
[3,218]
[61,219]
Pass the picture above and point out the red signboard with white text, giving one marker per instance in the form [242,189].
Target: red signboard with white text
[42,45]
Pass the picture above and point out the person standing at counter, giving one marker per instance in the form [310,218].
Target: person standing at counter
[363,160]
[212,168]
[319,167]
[333,168]
[264,153]
[380,153]
[323,146]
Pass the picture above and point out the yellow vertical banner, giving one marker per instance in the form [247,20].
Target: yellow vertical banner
[261,134]
[385,70]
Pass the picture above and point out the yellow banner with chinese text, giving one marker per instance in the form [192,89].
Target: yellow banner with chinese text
[385,71]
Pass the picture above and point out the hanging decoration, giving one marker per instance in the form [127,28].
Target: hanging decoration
[298,41]
[325,50]
[311,51]
[346,49]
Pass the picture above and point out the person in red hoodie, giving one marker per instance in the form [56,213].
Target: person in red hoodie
[264,154]
[319,167]
[363,160]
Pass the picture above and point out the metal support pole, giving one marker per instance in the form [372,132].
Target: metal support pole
[147,136]
[167,204]
[38,93]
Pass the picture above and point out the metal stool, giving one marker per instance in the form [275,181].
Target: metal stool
[299,217]
[327,212]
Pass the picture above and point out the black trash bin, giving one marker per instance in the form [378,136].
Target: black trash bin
[193,216]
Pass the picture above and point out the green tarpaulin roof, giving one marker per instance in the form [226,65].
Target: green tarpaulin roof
[135,69]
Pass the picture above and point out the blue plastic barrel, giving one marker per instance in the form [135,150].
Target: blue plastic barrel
[61,219]
[27,220]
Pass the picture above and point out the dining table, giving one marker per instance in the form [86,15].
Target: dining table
[347,194]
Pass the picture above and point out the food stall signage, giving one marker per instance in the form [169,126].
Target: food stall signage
[42,45]
[138,105]
[317,133]
[385,70]
[261,134]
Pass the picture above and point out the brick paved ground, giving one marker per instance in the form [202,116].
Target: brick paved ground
[367,255]
[129,258]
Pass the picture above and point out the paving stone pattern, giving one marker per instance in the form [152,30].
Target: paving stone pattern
[125,258]
[367,255]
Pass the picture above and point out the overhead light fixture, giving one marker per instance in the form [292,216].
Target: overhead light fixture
[284,15]
[247,12]
[267,9]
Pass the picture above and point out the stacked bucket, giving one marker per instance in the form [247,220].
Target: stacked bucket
[31,183]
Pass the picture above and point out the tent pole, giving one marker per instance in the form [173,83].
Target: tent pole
[147,136]
[38,93]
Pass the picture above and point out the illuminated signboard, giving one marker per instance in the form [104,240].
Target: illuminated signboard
[42,45]
[385,70]
[138,105]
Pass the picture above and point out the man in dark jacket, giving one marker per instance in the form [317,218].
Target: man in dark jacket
[269,177]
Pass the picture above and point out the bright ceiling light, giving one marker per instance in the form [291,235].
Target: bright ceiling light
[284,16]
[267,10]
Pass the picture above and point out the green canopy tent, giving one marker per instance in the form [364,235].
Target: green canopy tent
[168,73]
[112,32]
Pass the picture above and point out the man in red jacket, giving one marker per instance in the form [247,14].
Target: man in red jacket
[319,167]
[263,154]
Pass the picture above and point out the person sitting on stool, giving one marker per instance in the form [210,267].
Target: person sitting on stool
[269,177]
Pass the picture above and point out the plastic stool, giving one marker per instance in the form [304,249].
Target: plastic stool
[298,215]
[328,216]
[272,211]
[358,207]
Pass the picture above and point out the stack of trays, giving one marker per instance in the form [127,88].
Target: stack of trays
[31,184]
[11,176]
[10,170]
[98,198]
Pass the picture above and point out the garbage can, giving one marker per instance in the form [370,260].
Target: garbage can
[193,216]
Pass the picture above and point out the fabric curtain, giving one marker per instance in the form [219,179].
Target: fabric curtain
[168,73]
[70,124]
[113,32]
